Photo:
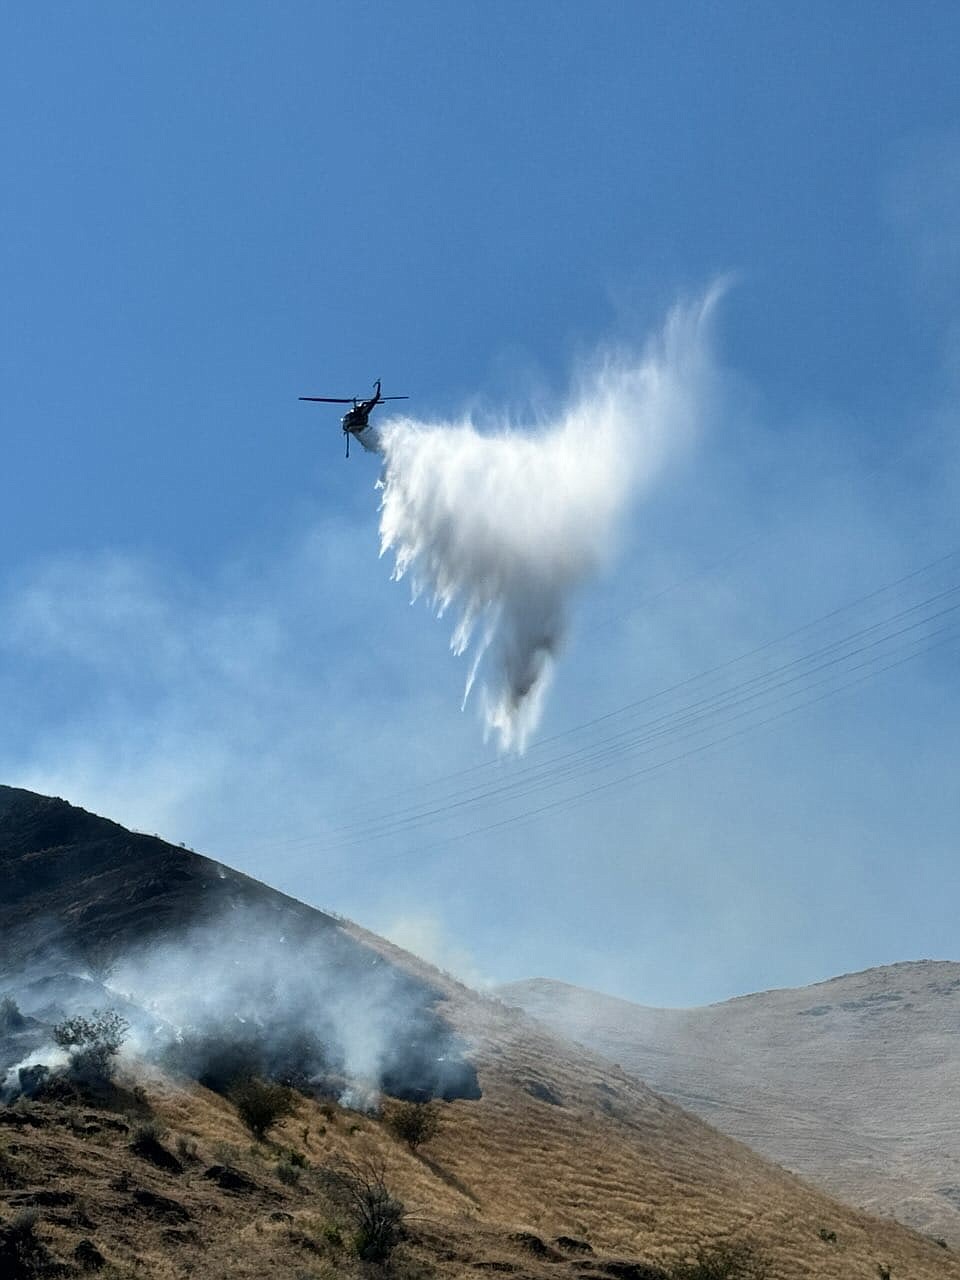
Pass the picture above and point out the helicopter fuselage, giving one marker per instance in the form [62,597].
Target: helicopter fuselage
[356,421]
[358,417]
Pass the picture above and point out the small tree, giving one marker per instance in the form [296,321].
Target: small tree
[359,1187]
[413,1123]
[261,1104]
[93,1042]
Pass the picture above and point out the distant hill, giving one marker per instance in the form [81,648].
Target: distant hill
[549,1161]
[853,1083]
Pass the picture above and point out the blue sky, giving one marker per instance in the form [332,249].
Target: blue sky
[210,210]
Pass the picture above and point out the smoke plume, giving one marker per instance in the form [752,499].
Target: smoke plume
[252,991]
[504,526]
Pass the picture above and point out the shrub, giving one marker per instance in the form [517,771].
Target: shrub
[11,1019]
[89,1256]
[33,1079]
[261,1105]
[413,1123]
[150,1131]
[359,1187]
[332,1234]
[187,1149]
[227,1153]
[93,1042]
[723,1261]
[8,1173]
[22,1254]
[148,1144]
[288,1173]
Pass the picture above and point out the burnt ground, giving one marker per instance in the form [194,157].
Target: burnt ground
[79,885]
[80,892]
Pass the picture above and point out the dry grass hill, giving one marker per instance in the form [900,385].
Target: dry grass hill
[854,1083]
[548,1159]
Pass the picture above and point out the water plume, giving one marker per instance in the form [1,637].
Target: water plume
[504,526]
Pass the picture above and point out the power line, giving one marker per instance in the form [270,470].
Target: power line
[688,721]
[549,772]
[630,777]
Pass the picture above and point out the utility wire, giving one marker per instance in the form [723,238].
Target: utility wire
[590,792]
[766,689]
[622,711]
[690,718]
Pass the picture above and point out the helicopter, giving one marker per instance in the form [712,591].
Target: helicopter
[356,420]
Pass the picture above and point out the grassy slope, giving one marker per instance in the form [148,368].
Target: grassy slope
[853,1082]
[561,1142]
[638,1180]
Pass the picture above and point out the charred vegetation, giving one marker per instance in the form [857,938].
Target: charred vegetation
[91,910]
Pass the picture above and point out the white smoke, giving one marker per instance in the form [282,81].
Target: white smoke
[506,526]
[50,1056]
[256,988]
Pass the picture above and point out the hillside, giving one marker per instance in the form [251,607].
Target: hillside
[853,1083]
[540,1141]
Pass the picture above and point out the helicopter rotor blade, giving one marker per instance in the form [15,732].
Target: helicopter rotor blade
[394,397]
[326,399]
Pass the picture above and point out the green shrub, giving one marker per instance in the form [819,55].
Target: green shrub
[288,1173]
[148,1132]
[227,1153]
[413,1123]
[147,1143]
[94,1043]
[261,1105]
